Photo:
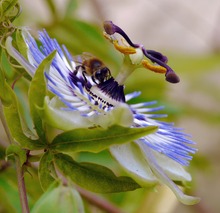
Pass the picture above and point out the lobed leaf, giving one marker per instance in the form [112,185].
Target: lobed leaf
[97,139]
[93,177]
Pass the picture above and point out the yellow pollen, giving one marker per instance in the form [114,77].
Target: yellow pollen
[154,68]
[123,49]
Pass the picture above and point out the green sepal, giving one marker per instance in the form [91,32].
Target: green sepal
[46,170]
[23,50]
[36,94]
[21,45]
[97,139]
[93,177]
[14,149]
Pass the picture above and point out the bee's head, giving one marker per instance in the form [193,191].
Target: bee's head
[102,74]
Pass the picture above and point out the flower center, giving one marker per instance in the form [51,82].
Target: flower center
[107,94]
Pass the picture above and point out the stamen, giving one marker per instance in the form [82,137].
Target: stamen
[171,76]
[123,49]
[158,55]
[111,28]
[157,69]
[154,56]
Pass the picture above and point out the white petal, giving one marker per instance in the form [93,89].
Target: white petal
[56,116]
[163,178]
[63,119]
[174,170]
[131,159]
[120,115]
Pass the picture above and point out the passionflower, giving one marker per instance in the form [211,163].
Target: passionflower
[85,98]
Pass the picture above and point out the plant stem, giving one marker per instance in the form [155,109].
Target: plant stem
[97,201]
[21,186]
[19,169]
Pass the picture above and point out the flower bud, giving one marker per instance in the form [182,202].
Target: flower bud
[59,199]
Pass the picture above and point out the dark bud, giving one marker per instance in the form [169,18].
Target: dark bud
[109,27]
[172,77]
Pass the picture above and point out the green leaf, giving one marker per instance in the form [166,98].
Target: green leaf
[9,195]
[14,149]
[93,177]
[97,139]
[12,116]
[4,93]
[37,92]
[71,7]
[11,111]
[52,7]
[46,167]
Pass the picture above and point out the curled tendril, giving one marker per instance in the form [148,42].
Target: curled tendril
[15,11]
[8,13]
[10,30]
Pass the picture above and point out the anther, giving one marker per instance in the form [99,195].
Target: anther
[123,49]
[154,68]
[111,28]
[172,77]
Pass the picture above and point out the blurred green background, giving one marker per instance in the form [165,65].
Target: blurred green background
[188,33]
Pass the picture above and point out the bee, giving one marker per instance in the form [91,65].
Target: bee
[92,66]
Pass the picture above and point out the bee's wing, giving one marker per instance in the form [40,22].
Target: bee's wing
[79,59]
[87,55]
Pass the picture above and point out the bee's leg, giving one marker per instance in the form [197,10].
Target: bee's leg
[93,78]
[83,73]
[77,69]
